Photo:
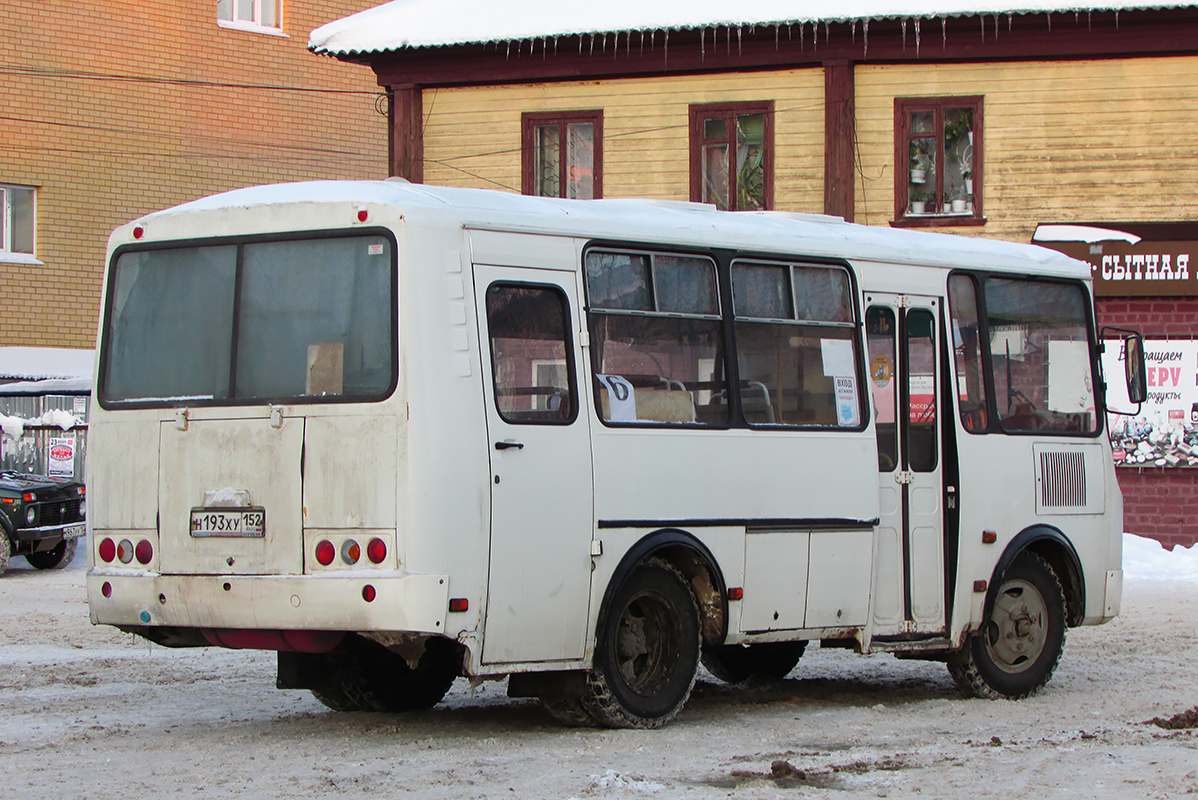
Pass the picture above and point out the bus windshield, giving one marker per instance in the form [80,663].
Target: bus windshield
[297,320]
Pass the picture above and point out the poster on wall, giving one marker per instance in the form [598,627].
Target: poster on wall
[60,456]
[1165,431]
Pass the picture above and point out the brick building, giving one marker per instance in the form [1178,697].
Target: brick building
[114,109]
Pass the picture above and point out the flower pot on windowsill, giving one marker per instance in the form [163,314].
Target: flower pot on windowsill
[919,207]
[969,186]
[959,206]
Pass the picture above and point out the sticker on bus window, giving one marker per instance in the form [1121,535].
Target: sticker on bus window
[838,357]
[374,249]
[621,398]
[846,401]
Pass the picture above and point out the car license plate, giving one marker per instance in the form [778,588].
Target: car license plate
[241,522]
[73,531]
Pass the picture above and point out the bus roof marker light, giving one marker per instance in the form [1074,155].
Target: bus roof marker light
[363,214]
[139,232]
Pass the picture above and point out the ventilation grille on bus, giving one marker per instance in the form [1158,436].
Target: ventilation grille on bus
[1062,480]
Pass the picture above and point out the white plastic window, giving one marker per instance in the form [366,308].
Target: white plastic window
[17,220]
[250,14]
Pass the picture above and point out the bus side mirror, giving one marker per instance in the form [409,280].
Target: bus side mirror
[1134,368]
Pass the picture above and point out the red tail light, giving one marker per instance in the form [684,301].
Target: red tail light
[368,593]
[376,551]
[144,552]
[107,549]
[325,552]
[106,589]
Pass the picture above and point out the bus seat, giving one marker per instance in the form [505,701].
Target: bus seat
[656,405]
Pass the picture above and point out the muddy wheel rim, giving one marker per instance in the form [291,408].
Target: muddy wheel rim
[1018,628]
[646,644]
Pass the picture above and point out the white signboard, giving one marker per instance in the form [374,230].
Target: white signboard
[60,456]
[1165,431]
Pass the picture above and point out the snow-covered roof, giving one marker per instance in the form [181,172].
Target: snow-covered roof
[1081,233]
[665,221]
[435,23]
[41,363]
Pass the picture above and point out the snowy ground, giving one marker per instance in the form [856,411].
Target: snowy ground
[89,712]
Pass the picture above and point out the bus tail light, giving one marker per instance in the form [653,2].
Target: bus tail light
[124,551]
[106,589]
[325,552]
[351,551]
[376,551]
[368,593]
[107,549]
[144,552]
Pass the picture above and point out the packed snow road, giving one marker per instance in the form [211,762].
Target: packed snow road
[90,712]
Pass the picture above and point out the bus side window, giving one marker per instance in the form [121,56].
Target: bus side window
[530,354]
[967,355]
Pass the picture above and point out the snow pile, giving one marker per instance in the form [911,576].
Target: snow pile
[40,363]
[55,417]
[629,783]
[436,23]
[1146,559]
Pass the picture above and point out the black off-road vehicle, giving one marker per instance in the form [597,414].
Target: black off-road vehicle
[42,519]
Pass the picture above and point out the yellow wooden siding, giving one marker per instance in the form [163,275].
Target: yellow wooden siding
[1068,141]
[472,135]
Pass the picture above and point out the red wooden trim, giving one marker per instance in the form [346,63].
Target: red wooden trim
[405,145]
[839,138]
[1029,37]
[704,111]
[528,122]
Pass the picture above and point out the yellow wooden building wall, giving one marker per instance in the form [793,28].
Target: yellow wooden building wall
[472,135]
[1065,141]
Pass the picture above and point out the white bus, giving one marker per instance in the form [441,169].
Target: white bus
[401,434]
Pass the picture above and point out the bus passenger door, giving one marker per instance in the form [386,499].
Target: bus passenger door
[902,335]
[540,456]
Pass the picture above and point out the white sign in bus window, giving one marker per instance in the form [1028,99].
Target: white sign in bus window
[1070,389]
[846,401]
[621,399]
[838,357]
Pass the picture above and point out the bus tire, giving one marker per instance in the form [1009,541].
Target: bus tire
[58,558]
[1018,648]
[647,652]
[371,678]
[571,713]
[736,663]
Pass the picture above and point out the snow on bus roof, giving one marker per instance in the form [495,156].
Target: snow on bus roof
[650,220]
[438,23]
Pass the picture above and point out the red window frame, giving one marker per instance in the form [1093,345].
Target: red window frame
[530,121]
[941,214]
[729,112]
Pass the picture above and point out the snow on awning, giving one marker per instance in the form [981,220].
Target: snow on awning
[40,363]
[402,24]
[1081,233]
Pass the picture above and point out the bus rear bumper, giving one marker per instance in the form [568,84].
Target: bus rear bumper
[408,603]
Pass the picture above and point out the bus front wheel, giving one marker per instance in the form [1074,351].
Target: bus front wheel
[648,650]
[1017,650]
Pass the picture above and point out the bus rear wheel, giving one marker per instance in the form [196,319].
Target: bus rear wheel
[648,650]
[735,663]
[369,677]
[1015,653]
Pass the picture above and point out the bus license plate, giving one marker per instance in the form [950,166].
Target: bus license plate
[242,522]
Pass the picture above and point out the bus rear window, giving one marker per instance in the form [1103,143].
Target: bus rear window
[295,320]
